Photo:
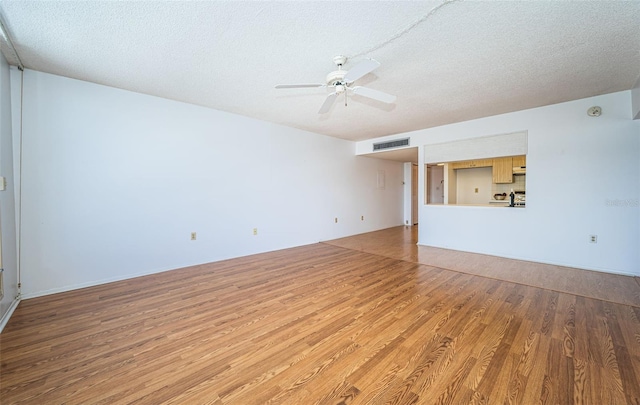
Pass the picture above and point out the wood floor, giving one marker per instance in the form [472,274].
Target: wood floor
[400,243]
[320,324]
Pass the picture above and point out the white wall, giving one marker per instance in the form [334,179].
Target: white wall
[468,180]
[561,212]
[635,100]
[7,202]
[114,182]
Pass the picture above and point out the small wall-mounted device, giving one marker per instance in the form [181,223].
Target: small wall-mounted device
[594,111]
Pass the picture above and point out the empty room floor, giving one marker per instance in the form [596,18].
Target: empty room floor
[369,319]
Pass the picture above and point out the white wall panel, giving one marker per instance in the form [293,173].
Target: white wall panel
[583,178]
[474,185]
[114,182]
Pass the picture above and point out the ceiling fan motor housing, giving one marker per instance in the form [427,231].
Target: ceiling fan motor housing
[336,77]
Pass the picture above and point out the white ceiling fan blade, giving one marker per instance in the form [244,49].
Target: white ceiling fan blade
[299,86]
[361,69]
[374,94]
[328,102]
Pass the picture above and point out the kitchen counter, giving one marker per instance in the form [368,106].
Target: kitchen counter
[490,205]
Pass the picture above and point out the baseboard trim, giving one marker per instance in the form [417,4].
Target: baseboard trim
[7,315]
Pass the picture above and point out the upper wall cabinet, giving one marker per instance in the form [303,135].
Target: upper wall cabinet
[467,164]
[503,170]
[519,161]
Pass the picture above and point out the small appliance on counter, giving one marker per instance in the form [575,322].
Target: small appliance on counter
[517,198]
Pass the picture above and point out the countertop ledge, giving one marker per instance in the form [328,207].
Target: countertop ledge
[490,205]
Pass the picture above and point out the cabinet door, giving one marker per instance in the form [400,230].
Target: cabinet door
[519,161]
[483,163]
[461,165]
[503,170]
[466,164]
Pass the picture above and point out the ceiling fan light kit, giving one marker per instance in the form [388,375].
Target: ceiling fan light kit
[340,80]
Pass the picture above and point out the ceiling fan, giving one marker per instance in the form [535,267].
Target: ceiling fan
[341,81]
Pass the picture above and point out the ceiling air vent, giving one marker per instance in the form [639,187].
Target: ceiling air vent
[391,144]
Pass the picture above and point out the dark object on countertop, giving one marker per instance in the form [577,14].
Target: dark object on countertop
[512,197]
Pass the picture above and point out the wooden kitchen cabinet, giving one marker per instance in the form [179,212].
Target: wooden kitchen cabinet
[467,164]
[503,170]
[483,162]
[519,161]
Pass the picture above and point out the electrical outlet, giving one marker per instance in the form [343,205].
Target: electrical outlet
[476,190]
[255,231]
[362,218]
[335,220]
[593,238]
[193,236]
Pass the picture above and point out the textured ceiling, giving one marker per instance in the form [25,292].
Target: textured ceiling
[466,60]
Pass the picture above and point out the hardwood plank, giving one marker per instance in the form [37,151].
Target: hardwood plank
[400,242]
[321,324]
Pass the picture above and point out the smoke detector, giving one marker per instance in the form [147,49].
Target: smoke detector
[594,111]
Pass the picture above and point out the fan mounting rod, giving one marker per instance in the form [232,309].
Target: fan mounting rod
[337,77]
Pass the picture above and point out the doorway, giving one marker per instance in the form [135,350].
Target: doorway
[435,184]
[414,194]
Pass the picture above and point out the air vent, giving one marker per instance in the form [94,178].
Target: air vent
[391,144]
